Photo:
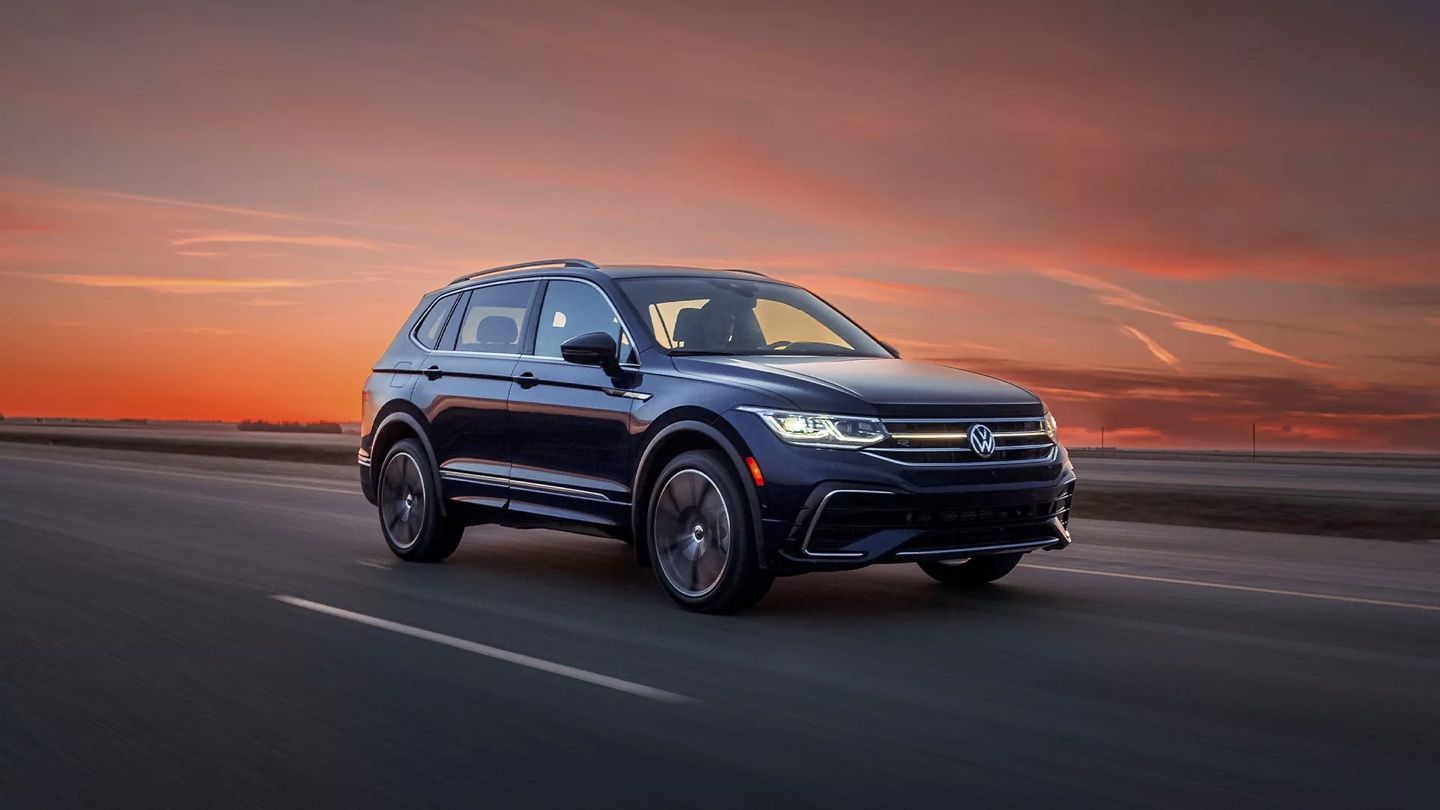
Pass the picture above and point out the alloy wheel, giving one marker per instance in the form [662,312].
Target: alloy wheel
[402,500]
[692,533]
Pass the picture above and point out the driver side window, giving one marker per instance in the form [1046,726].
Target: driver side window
[574,308]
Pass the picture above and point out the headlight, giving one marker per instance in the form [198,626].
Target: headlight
[1048,425]
[820,430]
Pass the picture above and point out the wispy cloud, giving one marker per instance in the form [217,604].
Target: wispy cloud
[199,331]
[1245,344]
[864,289]
[200,254]
[1155,348]
[185,285]
[236,237]
[219,208]
[1116,296]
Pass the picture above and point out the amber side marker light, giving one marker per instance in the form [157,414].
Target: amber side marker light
[755,473]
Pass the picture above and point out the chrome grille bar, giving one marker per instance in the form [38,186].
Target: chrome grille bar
[946,440]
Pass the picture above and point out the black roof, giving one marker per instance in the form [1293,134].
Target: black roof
[584,267]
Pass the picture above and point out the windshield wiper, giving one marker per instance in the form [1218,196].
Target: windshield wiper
[699,353]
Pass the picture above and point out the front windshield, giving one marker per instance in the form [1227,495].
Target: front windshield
[693,315]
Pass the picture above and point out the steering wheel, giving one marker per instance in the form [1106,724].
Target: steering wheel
[779,344]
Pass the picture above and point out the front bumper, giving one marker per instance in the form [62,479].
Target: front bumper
[845,525]
[841,509]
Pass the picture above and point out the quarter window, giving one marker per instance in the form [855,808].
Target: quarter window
[429,329]
[494,318]
[573,308]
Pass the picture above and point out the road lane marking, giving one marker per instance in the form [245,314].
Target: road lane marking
[1329,597]
[233,479]
[373,564]
[574,673]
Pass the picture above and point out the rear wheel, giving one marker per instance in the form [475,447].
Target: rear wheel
[408,497]
[972,572]
[700,540]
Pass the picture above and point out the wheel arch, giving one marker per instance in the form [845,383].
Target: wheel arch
[680,436]
[394,426]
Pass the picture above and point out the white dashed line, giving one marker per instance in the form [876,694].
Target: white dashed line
[595,678]
[1329,597]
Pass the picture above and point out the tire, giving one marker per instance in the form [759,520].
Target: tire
[973,572]
[407,497]
[700,537]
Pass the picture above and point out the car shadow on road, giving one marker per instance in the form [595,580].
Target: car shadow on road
[606,568]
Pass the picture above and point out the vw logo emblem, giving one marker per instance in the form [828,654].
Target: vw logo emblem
[982,441]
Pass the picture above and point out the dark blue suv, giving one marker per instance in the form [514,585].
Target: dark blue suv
[731,427]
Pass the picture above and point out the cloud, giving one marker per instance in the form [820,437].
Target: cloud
[1245,344]
[185,285]
[216,207]
[231,237]
[1155,348]
[864,289]
[1116,296]
[199,331]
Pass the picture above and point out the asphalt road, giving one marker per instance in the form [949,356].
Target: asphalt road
[145,661]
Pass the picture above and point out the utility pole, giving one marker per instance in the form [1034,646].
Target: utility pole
[1102,440]
[1252,441]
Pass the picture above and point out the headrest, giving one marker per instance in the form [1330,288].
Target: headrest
[496,329]
[687,326]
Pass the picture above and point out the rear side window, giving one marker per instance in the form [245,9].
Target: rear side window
[494,318]
[573,308]
[429,329]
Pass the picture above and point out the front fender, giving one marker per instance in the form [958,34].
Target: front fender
[717,432]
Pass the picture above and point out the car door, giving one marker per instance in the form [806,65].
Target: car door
[464,387]
[572,459]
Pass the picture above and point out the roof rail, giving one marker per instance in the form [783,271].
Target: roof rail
[539,263]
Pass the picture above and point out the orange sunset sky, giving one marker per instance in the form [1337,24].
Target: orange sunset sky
[1172,220]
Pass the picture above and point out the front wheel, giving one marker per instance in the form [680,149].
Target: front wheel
[408,497]
[972,572]
[701,544]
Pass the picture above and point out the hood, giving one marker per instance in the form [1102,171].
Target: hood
[848,384]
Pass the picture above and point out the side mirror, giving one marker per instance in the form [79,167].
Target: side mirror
[593,349]
[891,349]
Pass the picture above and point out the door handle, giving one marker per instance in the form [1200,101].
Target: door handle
[434,373]
[527,380]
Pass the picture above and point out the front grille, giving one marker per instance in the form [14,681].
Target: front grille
[1020,439]
[944,521]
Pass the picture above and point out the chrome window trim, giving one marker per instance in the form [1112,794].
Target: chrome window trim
[440,298]
[815,521]
[456,353]
[545,358]
[629,336]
